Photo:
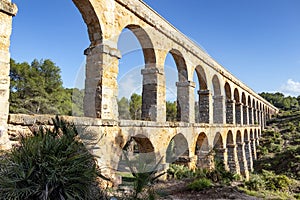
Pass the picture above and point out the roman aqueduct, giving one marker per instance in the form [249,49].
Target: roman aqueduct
[231,115]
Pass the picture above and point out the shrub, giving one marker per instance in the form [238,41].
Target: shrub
[275,148]
[267,180]
[255,182]
[51,164]
[276,182]
[219,174]
[180,171]
[200,184]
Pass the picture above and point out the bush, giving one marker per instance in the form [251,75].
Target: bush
[180,172]
[200,184]
[268,181]
[219,174]
[255,182]
[51,164]
[274,148]
[276,182]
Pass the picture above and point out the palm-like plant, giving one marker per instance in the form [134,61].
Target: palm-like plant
[50,164]
[144,173]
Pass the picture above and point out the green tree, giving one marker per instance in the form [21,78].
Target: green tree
[123,107]
[171,111]
[135,106]
[37,88]
[282,102]
[77,96]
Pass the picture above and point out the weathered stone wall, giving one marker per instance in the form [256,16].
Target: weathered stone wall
[7,11]
[111,137]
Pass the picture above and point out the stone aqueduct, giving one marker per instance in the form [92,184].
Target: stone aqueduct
[231,115]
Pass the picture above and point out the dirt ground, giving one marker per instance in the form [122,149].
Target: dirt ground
[176,190]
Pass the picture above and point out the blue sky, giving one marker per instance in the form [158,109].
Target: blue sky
[256,40]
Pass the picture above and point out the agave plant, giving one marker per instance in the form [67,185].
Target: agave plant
[144,173]
[50,164]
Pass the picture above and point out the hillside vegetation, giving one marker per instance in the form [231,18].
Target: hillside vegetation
[280,145]
[277,170]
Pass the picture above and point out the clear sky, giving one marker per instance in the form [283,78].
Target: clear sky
[256,40]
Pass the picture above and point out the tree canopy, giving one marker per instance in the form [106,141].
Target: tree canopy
[37,88]
[282,102]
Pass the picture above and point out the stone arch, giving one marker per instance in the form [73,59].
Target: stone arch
[183,85]
[232,159]
[260,106]
[245,109]
[229,139]
[204,97]
[180,64]
[253,145]
[236,95]
[93,87]
[249,101]
[251,134]
[216,85]
[201,77]
[246,136]
[254,106]
[178,150]
[250,110]
[227,89]
[202,151]
[221,153]
[244,101]
[146,44]
[149,87]
[241,154]
[239,137]
[202,142]
[256,137]
[259,117]
[248,151]
[140,148]
[238,107]
[256,133]
[218,141]
[218,102]
[91,20]
[229,105]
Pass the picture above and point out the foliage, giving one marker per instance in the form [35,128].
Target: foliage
[282,102]
[268,180]
[144,174]
[50,164]
[171,112]
[218,175]
[37,88]
[180,171]
[279,161]
[200,184]
[77,101]
[281,139]
[123,107]
[135,106]
[255,182]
